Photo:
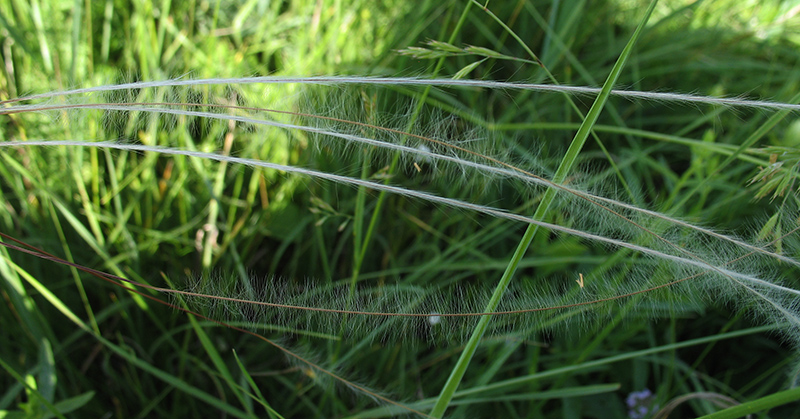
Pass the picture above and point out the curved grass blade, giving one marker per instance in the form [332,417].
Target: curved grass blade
[758,405]
[672,97]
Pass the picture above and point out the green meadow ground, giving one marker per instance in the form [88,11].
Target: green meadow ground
[73,345]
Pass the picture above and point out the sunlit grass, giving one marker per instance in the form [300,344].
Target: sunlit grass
[653,229]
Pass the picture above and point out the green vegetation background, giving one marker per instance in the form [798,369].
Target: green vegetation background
[141,215]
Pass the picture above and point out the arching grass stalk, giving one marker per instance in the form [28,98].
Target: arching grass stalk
[664,97]
[564,168]
[132,285]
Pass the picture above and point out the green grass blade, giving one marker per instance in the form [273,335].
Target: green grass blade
[32,391]
[562,393]
[258,396]
[764,403]
[216,358]
[566,165]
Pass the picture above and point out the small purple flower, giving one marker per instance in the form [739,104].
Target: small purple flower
[640,404]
